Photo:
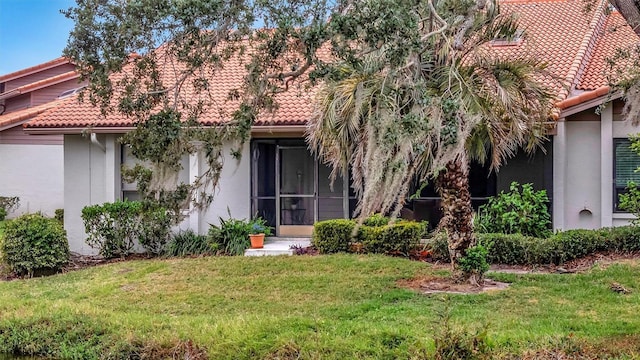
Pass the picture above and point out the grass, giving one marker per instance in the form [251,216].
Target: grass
[340,306]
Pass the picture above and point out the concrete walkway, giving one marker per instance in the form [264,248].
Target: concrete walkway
[274,246]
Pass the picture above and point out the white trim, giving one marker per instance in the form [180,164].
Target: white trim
[606,166]
[112,177]
[590,104]
[559,174]
[194,172]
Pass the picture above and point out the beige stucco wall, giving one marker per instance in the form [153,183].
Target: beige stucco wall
[92,176]
[84,171]
[582,204]
[33,173]
[233,192]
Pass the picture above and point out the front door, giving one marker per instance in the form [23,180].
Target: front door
[296,197]
[291,189]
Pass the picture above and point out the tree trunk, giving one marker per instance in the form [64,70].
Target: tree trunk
[453,186]
[630,10]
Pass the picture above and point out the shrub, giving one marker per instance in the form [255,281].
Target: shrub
[517,249]
[186,243]
[33,244]
[59,215]
[3,214]
[397,238]
[474,262]
[332,236]
[376,220]
[519,211]
[232,236]
[112,228]
[623,238]
[439,247]
[155,230]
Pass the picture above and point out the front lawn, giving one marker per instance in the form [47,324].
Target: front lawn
[339,306]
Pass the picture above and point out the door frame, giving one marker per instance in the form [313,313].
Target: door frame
[286,143]
[293,229]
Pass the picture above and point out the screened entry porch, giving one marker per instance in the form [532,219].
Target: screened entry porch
[291,189]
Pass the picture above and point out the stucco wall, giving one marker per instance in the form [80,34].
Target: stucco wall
[84,171]
[582,203]
[92,176]
[33,173]
[234,191]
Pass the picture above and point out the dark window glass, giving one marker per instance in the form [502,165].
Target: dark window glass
[625,163]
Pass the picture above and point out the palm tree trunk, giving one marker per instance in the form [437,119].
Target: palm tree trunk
[453,186]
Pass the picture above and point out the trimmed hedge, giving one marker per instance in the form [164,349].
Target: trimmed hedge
[115,228]
[516,249]
[33,245]
[400,237]
[334,236]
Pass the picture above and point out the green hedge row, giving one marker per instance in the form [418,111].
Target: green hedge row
[516,249]
[333,236]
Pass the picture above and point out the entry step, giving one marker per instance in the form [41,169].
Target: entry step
[274,246]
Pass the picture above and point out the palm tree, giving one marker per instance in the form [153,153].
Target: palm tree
[453,100]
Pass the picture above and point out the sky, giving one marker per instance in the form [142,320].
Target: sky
[32,32]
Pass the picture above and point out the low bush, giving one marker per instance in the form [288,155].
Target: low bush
[623,238]
[474,262]
[522,210]
[3,214]
[516,249]
[59,215]
[115,228]
[333,236]
[232,235]
[396,238]
[112,228]
[33,244]
[188,243]
[155,230]
[376,220]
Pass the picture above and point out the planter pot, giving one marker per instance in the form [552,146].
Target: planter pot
[257,241]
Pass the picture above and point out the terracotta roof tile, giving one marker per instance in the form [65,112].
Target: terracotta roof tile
[294,106]
[40,84]
[34,69]
[558,32]
[616,34]
[18,116]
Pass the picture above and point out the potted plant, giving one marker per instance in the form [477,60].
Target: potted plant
[257,232]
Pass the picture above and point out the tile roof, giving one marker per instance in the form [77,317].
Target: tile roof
[18,116]
[557,32]
[294,106]
[571,41]
[615,35]
[40,84]
[34,69]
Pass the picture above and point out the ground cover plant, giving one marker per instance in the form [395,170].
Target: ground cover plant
[330,307]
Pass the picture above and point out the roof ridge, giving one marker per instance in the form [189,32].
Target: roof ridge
[36,85]
[585,51]
[33,69]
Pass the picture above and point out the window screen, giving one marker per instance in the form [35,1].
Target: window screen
[626,161]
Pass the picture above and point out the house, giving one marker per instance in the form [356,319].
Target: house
[583,167]
[31,167]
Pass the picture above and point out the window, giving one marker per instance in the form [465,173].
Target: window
[130,190]
[625,163]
